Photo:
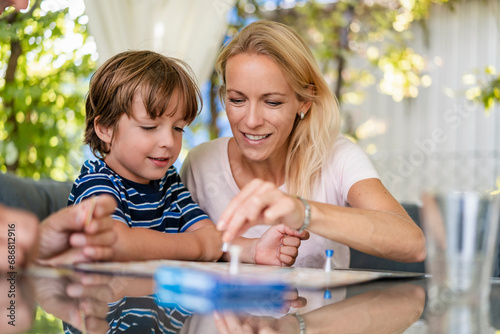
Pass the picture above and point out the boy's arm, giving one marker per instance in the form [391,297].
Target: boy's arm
[200,242]
[278,246]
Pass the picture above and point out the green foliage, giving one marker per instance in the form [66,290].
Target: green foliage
[45,72]
[46,58]
[342,32]
[485,88]
[45,323]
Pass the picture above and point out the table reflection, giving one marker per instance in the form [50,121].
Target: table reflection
[390,310]
[94,303]
[17,305]
[459,316]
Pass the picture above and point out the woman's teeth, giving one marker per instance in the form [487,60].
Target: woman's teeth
[252,137]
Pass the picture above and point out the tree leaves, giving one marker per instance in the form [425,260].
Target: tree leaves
[42,109]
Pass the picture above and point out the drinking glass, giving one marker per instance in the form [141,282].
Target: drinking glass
[461,230]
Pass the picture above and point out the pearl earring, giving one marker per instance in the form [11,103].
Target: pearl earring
[301,115]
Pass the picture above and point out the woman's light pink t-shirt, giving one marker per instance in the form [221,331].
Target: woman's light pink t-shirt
[207,174]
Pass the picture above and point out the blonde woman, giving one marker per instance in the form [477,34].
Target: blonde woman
[287,163]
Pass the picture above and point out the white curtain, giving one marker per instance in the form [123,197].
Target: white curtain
[191,30]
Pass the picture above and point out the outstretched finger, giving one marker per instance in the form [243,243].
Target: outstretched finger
[237,202]
[235,229]
[247,215]
[253,210]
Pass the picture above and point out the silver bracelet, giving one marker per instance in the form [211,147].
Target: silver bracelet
[307,214]
[302,323]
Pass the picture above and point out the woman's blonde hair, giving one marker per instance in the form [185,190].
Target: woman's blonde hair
[313,137]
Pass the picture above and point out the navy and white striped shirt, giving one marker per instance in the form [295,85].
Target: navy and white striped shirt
[141,315]
[163,205]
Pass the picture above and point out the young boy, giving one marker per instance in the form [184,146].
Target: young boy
[137,107]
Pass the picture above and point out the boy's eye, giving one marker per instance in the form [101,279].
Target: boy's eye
[148,128]
[178,129]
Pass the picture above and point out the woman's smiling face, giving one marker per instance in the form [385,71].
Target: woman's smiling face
[261,106]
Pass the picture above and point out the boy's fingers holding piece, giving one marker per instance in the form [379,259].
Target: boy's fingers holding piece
[98,253]
[105,205]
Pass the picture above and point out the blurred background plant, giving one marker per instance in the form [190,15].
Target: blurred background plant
[339,32]
[47,57]
[485,87]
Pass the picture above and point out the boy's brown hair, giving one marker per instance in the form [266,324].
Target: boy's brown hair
[114,84]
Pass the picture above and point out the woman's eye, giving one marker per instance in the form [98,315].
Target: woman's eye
[274,103]
[236,101]
[178,129]
[148,128]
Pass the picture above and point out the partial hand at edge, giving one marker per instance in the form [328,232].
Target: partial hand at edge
[18,237]
[64,237]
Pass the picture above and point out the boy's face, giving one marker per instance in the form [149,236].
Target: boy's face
[142,148]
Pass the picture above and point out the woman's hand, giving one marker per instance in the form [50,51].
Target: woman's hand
[260,203]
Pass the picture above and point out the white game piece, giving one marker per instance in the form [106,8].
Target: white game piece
[225,246]
[329,258]
[234,253]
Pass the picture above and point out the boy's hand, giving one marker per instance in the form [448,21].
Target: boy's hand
[278,246]
[210,239]
[65,238]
